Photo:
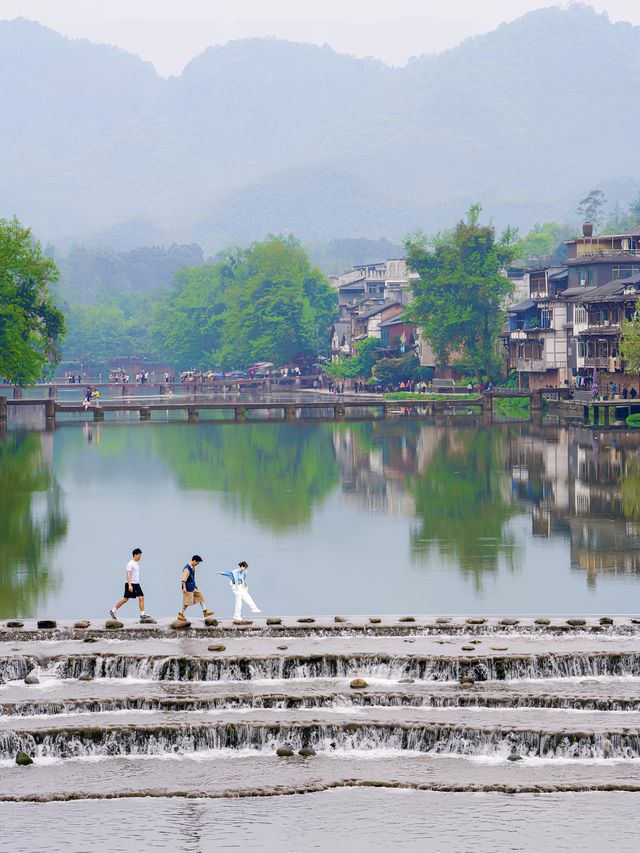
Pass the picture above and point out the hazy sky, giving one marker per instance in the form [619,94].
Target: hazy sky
[171,32]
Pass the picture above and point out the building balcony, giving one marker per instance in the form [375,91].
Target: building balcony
[602,362]
[530,365]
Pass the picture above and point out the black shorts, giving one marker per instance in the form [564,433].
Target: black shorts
[135,593]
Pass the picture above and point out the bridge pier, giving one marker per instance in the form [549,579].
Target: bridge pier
[50,413]
[53,392]
[289,413]
[339,412]
[3,412]
[98,414]
[193,415]
[17,392]
[239,413]
[607,413]
[145,413]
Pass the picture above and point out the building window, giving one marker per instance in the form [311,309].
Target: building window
[579,314]
[624,272]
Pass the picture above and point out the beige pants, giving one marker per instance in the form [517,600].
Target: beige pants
[195,597]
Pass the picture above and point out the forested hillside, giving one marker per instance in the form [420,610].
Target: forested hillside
[264,136]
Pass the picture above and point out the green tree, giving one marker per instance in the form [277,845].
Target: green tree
[544,244]
[30,324]
[392,371]
[630,342]
[460,293]
[279,308]
[187,324]
[263,303]
[360,364]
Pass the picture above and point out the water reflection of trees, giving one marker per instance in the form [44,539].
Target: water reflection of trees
[32,522]
[277,473]
[463,502]
[453,482]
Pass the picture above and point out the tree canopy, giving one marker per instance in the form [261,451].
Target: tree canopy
[263,303]
[30,324]
[461,291]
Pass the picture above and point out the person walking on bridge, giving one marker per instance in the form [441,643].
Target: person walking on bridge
[190,592]
[238,579]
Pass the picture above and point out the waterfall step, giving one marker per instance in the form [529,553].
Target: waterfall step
[216,667]
[140,738]
[549,721]
[109,695]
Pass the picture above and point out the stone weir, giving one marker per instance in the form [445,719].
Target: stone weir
[284,705]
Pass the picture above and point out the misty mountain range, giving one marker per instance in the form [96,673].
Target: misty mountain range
[265,136]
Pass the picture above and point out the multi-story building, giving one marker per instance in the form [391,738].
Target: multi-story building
[571,321]
[603,288]
[537,338]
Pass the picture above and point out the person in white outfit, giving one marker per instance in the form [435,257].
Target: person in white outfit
[238,580]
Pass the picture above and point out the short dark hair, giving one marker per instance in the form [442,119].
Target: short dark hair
[136,551]
[196,558]
[243,564]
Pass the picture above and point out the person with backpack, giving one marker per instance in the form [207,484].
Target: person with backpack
[238,580]
[190,592]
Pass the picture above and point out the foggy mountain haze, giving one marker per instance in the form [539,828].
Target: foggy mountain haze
[264,136]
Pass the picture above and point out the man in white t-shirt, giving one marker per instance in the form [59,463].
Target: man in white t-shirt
[132,588]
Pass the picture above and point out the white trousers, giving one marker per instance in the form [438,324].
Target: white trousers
[242,594]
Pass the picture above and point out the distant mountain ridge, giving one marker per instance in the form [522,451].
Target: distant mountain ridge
[263,136]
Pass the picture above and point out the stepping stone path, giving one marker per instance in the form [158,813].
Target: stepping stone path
[509,621]
[112,624]
[282,648]
[543,621]
[468,648]
[217,648]
[375,620]
[407,619]
[15,624]
[358,684]
[274,620]
[499,648]
[306,619]
[284,752]
[340,619]
[476,620]
[82,624]
[47,623]
[23,759]
[576,623]
[31,679]
[210,622]
[179,625]
[307,752]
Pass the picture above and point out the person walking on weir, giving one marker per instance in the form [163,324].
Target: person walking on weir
[132,588]
[238,580]
[190,592]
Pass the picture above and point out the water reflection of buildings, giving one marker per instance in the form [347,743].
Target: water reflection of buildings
[375,466]
[574,481]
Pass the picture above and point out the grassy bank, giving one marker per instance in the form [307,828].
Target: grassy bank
[512,407]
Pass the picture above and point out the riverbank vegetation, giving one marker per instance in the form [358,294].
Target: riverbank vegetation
[31,325]
[460,292]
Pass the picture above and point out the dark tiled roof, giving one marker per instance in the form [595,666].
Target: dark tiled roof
[377,310]
[521,307]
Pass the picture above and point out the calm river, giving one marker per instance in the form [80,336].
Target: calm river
[363,518]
